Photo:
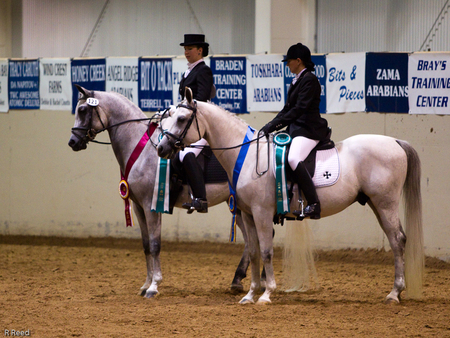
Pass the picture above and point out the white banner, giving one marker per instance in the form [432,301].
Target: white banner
[4,105]
[122,77]
[429,83]
[265,83]
[346,74]
[179,66]
[55,85]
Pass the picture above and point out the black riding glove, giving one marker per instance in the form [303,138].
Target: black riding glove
[268,128]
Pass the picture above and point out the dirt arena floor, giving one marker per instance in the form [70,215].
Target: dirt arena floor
[53,287]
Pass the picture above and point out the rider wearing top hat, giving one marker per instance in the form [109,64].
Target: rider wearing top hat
[304,123]
[199,78]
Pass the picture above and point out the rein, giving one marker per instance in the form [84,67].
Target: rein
[179,139]
[179,144]
[91,133]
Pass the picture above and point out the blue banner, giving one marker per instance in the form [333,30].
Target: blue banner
[288,77]
[320,70]
[89,74]
[230,80]
[24,84]
[155,83]
[387,82]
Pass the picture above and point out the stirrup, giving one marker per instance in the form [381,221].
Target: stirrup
[199,204]
[313,211]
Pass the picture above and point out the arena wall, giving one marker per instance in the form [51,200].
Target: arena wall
[49,190]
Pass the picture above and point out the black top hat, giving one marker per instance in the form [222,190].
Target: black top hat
[300,51]
[194,39]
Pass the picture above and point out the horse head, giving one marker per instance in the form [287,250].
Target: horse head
[89,119]
[177,128]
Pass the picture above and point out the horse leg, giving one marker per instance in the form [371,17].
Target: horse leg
[146,246]
[265,232]
[391,225]
[154,225]
[241,271]
[151,241]
[263,273]
[254,255]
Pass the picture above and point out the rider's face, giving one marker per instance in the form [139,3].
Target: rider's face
[192,53]
[295,65]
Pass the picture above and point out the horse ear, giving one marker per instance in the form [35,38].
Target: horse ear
[86,93]
[188,94]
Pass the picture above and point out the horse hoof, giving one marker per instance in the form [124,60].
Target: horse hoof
[263,302]
[244,301]
[142,292]
[151,294]
[391,301]
[236,288]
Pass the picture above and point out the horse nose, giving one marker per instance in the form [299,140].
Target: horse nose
[164,152]
[76,144]
[160,150]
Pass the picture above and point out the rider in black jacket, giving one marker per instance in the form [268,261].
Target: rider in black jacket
[301,115]
[199,78]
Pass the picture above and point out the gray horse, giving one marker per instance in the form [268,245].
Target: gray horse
[126,124]
[374,168]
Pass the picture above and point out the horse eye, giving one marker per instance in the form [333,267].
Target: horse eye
[82,109]
[181,119]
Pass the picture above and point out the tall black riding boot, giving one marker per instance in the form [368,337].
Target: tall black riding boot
[306,185]
[196,181]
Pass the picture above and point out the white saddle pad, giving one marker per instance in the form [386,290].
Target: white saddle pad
[327,168]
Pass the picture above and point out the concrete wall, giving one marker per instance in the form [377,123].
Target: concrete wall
[5,28]
[47,189]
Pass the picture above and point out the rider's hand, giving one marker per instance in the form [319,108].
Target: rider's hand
[266,129]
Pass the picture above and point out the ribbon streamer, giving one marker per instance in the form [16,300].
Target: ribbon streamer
[281,141]
[124,190]
[232,202]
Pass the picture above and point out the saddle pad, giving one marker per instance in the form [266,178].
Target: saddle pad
[327,168]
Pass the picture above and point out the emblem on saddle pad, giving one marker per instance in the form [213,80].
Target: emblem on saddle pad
[327,168]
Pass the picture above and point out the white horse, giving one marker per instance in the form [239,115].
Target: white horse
[375,167]
[126,124]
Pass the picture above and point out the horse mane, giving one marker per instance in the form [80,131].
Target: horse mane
[215,106]
[119,102]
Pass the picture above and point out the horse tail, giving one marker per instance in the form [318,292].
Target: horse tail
[298,258]
[414,251]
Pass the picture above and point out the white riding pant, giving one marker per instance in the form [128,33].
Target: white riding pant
[196,151]
[300,149]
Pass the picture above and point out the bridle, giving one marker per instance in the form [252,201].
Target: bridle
[179,140]
[88,133]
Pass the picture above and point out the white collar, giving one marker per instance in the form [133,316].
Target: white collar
[191,66]
[297,76]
